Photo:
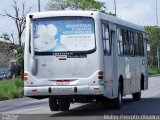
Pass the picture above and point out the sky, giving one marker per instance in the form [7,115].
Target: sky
[141,12]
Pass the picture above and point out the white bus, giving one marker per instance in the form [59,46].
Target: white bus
[83,56]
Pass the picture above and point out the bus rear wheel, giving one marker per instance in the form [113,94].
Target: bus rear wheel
[64,104]
[137,96]
[117,103]
[53,104]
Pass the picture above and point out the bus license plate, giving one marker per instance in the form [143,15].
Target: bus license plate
[62,82]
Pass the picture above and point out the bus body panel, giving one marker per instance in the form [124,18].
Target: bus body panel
[83,72]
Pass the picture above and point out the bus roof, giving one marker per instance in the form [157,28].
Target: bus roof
[97,14]
[121,22]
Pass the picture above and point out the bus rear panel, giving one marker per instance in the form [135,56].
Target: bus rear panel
[83,56]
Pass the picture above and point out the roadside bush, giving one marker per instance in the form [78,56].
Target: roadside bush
[153,71]
[10,89]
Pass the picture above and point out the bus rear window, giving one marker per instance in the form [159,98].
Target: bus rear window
[61,34]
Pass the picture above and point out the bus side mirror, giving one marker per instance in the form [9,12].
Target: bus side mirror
[34,66]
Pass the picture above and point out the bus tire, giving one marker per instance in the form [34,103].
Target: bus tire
[53,104]
[136,96]
[64,104]
[117,103]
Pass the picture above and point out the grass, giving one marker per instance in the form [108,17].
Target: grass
[153,71]
[10,89]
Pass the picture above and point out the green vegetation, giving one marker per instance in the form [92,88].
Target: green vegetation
[153,71]
[10,89]
[153,33]
[77,5]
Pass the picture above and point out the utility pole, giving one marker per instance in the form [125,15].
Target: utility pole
[158,45]
[115,8]
[158,55]
[39,6]
[156,12]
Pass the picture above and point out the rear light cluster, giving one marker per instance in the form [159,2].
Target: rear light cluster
[34,90]
[100,75]
[25,76]
[96,89]
[62,82]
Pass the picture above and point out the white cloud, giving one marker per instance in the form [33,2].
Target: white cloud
[142,13]
[6,25]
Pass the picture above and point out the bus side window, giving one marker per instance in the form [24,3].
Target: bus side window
[136,43]
[125,37]
[132,46]
[141,45]
[106,40]
[120,41]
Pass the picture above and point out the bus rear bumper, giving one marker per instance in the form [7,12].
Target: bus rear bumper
[64,90]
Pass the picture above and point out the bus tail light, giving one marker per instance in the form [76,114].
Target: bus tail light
[100,75]
[25,76]
[34,90]
[62,82]
[96,89]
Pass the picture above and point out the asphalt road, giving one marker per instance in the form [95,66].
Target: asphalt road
[30,109]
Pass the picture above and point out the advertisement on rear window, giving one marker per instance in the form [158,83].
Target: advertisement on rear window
[64,34]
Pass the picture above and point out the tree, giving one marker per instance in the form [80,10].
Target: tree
[19,18]
[153,33]
[57,5]
[11,46]
[87,5]
[5,36]
[76,5]
[6,50]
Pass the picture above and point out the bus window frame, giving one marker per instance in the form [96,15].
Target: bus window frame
[66,52]
[104,40]
[134,31]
